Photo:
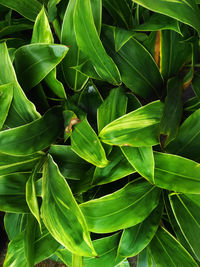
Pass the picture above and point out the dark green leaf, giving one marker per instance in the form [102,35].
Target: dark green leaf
[6,95]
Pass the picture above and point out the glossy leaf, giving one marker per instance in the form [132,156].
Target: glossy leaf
[14,224]
[166,250]
[112,108]
[61,214]
[138,128]
[186,143]
[172,111]
[188,217]
[142,159]
[32,137]
[70,164]
[170,174]
[85,143]
[133,61]
[11,164]
[145,258]
[89,43]
[22,110]
[38,61]
[29,238]
[184,11]
[136,238]
[6,95]
[115,211]
[117,168]
[27,8]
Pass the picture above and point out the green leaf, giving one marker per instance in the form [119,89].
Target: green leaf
[89,43]
[138,128]
[167,251]
[6,95]
[186,143]
[186,11]
[29,238]
[86,144]
[112,108]
[145,258]
[70,164]
[32,137]
[133,61]
[38,61]
[142,159]
[136,238]
[61,214]
[188,217]
[196,86]
[116,211]
[159,22]
[11,164]
[27,8]
[14,224]
[172,113]
[170,174]
[117,168]
[22,110]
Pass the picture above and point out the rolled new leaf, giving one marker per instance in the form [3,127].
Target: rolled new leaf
[171,175]
[138,128]
[61,213]
[34,136]
[184,11]
[122,209]
[86,144]
[90,44]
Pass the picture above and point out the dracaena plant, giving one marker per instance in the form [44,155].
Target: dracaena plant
[99,132]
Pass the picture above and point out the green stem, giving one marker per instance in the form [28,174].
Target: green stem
[77,261]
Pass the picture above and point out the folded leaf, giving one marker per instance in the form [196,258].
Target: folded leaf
[38,61]
[186,11]
[122,209]
[188,217]
[86,144]
[170,174]
[117,168]
[141,158]
[89,43]
[6,95]
[61,214]
[32,137]
[138,128]
[166,250]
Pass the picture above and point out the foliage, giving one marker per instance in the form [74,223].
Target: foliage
[99,143]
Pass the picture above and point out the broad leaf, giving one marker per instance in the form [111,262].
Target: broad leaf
[138,128]
[170,174]
[142,159]
[6,95]
[32,137]
[86,144]
[166,250]
[38,61]
[116,211]
[14,224]
[61,214]
[90,44]
[186,11]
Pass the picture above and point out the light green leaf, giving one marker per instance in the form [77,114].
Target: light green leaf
[117,168]
[112,108]
[22,110]
[185,11]
[121,209]
[6,95]
[38,61]
[188,217]
[27,8]
[187,143]
[86,144]
[61,214]
[138,128]
[89,43]
[32,137]
[14,224]
[141,158]
[167,251]
[170,174]
[145,258]
[29,238]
